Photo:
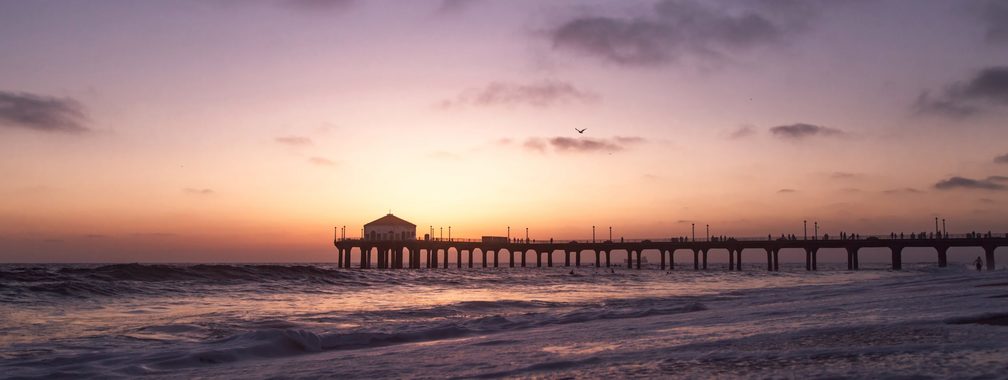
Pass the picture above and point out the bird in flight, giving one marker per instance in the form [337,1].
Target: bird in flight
[581,130]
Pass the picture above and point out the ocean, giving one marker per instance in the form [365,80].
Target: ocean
[318,321]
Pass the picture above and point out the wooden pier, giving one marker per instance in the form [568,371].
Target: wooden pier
[392,254]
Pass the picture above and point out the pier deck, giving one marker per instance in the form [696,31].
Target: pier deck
[392,254]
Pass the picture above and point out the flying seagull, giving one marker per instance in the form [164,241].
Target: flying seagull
[581,130]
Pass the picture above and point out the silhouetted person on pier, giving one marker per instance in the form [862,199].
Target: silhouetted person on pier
[978,263]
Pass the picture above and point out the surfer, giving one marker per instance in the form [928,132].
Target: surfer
[978,263]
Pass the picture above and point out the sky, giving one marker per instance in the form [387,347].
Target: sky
[213,131]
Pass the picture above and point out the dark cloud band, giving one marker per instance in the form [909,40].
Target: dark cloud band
[40,113]
[988,88]
[800,131]
[990,183]
[674,29]
[563,144]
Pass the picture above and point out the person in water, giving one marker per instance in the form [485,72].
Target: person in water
[979,263]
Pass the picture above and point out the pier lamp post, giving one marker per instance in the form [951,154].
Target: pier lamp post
[526,235]
[944,232]
[344,233]
[708,232]
[610,233]
[593,234]
[441,233]
[449,233]
[816,235]
[693,230]
[509,234]
[804,224]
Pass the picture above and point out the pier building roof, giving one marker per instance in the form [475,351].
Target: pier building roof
[390,220]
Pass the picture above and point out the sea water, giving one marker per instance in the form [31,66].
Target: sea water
[312,321]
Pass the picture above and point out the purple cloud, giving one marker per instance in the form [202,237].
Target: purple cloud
[990,183]
[988,88]
[673,29]
[41,113]
[801,131]
[540,94]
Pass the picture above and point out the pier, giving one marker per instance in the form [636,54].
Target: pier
[470,253]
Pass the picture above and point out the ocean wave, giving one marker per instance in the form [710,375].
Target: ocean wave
[21,282]
[124,279]
[278,339]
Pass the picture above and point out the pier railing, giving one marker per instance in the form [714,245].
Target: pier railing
[894,237]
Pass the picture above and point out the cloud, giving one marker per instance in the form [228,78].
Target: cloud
[562,144]
[536,144]
[990,183]
[628,140]
[584,145]
[801,131]
[293,140]
[568,144]
[540,94]
[843,175]
[196,191]
[987,88]
[905,190]
[786,191]
[322,161]
[450,6]
[674,29]
[1002,159]
[318,5]
[41,113]
[742,132]
[994,15]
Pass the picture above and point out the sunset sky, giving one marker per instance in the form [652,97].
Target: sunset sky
[245,130]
